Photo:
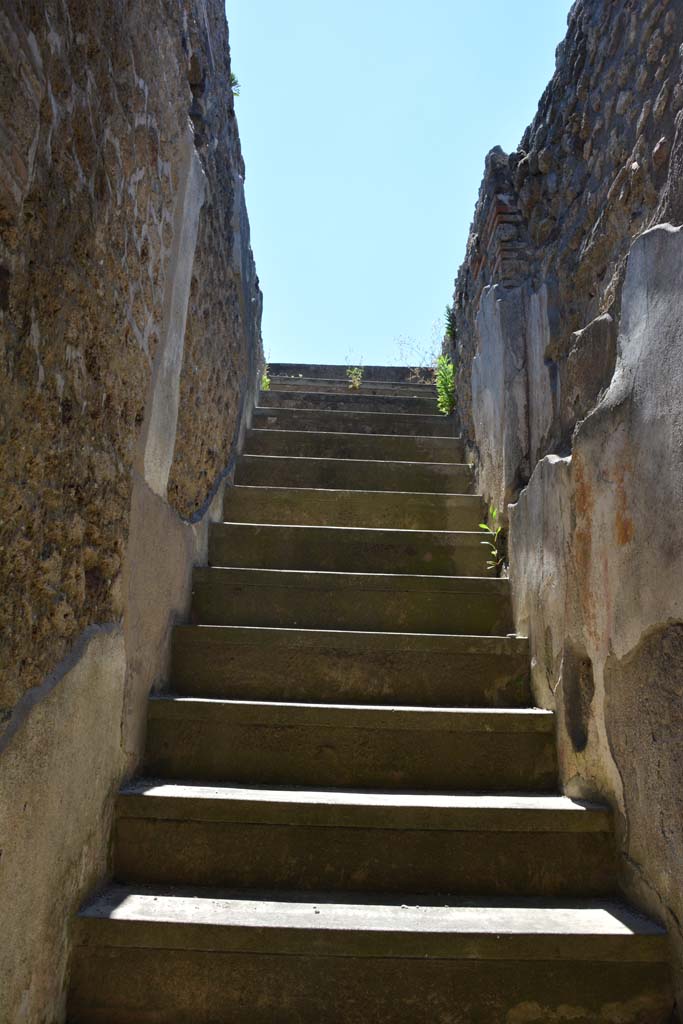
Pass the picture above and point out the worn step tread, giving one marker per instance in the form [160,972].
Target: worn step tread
[347,549]
[465,497]
[309,837]
[405,448]
[381,582]
[347,639]
[312,383]
[351,600]
[364,462]
[369,389]
[345,808]
[264,662]
[358,401]
[354,473]
[358,415]
[337,371]
[375,746]
[381,417]
[354,716]
[464,536]
[319,506]
[353,422]
[363,925]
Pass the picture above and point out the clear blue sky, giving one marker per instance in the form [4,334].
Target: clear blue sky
[364,128]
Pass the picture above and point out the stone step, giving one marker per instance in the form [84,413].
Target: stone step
[375,602]
[333,445]
[204,956]
[347,549]
[336,386]
[351,745]
[253,663]
[253,837]
[354,474]
[351,423]
[362,840]
[337,371]
[356,401]
[393,510]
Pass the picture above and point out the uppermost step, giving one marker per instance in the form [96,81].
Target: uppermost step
[340,399]
[333,373]
[397,382]
[337,385]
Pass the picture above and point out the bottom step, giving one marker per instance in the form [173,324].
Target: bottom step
[206,957]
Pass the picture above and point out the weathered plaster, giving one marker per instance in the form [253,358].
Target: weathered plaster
[161,424]
[587,371]
[499,394]
[629,458]
[540,529]
[162,549]
[58,778]
[542,396]
[596,571]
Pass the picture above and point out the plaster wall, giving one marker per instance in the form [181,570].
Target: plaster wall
[596,570]
[499,393]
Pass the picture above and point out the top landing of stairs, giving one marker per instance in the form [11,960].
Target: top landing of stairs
[333,371]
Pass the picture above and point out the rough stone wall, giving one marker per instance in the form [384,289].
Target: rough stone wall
[558,215]
[130,351]
[569,345]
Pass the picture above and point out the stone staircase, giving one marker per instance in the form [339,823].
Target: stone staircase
[350,809]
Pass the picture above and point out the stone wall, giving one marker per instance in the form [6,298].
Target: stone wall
[569,347]
[130,351]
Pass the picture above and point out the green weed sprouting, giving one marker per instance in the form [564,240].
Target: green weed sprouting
[495,540]
[234,84]
[449,333]
[265,379]
[445,385]
[355,375]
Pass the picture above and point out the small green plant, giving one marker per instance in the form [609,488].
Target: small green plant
[234,84]
[355,375]
[445,385]
[495,540]
[265,379]
[449,332]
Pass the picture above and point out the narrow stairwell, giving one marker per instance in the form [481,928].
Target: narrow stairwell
[350,809]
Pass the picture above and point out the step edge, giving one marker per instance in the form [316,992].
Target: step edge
[465,534]
[375,717]
[448,639]
[428,398]
[550,940]
[273,410]
[367,462]
[351,434]
[472,498]
[302,807]
[341,581]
